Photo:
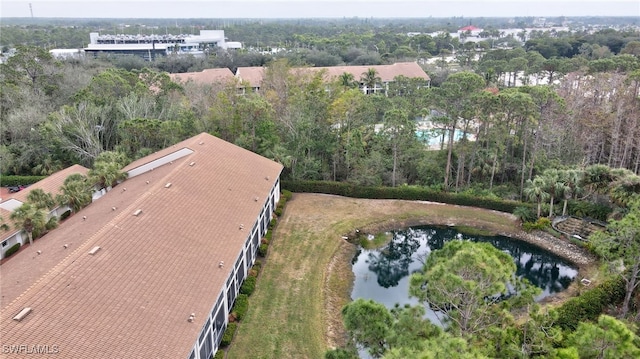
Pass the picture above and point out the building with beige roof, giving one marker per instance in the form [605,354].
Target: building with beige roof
[387,74]
[8,204]
[152,268]
[204,77]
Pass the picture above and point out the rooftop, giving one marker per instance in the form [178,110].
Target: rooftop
[134,296]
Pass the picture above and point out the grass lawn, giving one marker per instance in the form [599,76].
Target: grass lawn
[295,309]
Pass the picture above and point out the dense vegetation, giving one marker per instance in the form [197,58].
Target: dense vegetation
[566,138]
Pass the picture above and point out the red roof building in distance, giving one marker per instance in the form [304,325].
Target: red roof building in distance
[204,77]
[150,269]
[469,28]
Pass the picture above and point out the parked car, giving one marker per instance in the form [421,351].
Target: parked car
[14,189]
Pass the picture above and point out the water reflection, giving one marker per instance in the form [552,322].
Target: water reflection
[383,274]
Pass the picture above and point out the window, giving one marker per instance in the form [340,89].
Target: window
[4,243]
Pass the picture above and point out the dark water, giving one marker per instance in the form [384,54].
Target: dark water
[383,274]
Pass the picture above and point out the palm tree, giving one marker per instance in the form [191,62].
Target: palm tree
[534,190]
[106,169]
[370,78]
[571,180]
[75,192]
[347,80]
[41,199]
[553,186]
[3,226]
[29,218]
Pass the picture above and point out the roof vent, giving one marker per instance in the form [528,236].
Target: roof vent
[255,199]
[39,252]
[221,264]
[113,208]
[137,212]
[94,250]
[84,218]
[191,164]
[65,246]
[201,143]
[167,185]
[23,313]
[192,317]
[266,178]
[241,226]
[147,182]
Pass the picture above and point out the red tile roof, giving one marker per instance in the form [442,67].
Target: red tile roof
[133,298]
[208,76]
[387,73]
[50,184]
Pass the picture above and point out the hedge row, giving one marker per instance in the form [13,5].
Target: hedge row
[14,248]
[589,305]
[403,192]
[19,180]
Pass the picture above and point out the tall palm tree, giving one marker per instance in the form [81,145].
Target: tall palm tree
[535,191]
[347,80]
[106,170]
[3,226]
[41,199]
[571,180]
[370,78]
[29,218]
[553,186]
[76,192]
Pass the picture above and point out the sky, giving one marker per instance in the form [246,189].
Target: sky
[315,8]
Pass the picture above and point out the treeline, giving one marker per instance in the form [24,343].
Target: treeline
[490,141]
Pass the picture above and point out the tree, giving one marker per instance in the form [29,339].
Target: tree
[571,184]
[370,78]
[106,171]
[455,98]
[608,339]
[41,199]
[553,186]
[29,218]
[621,243]
[368,324]
[347,80]
[76,192]
[534,191]
[465,281]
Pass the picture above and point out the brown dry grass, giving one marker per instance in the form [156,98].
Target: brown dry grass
[295,310]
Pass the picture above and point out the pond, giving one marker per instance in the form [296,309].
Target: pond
[383,274]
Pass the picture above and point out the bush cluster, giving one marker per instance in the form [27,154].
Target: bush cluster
[590,304]
[262,250]
[19,180]
[597,211]
[403,192]
[227,337]
[541,224]
[14,248]
[219,355]
[241,306]
[248,286]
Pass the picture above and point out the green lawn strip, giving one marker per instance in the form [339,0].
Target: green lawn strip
[285,317]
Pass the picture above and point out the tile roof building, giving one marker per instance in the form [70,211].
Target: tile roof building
[152,268]
[387,74]
[204,77]
[8,204]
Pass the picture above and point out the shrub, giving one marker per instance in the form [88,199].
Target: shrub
[52,223]
[14,248]
[241,306]
[525,214]
[227,337]
[541,224]
[590,304]
[248,286]
[219,354]
[286,195]
[19,180]
[278,211]
[272,223]
[65,215]
[262,250]
[403,192]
